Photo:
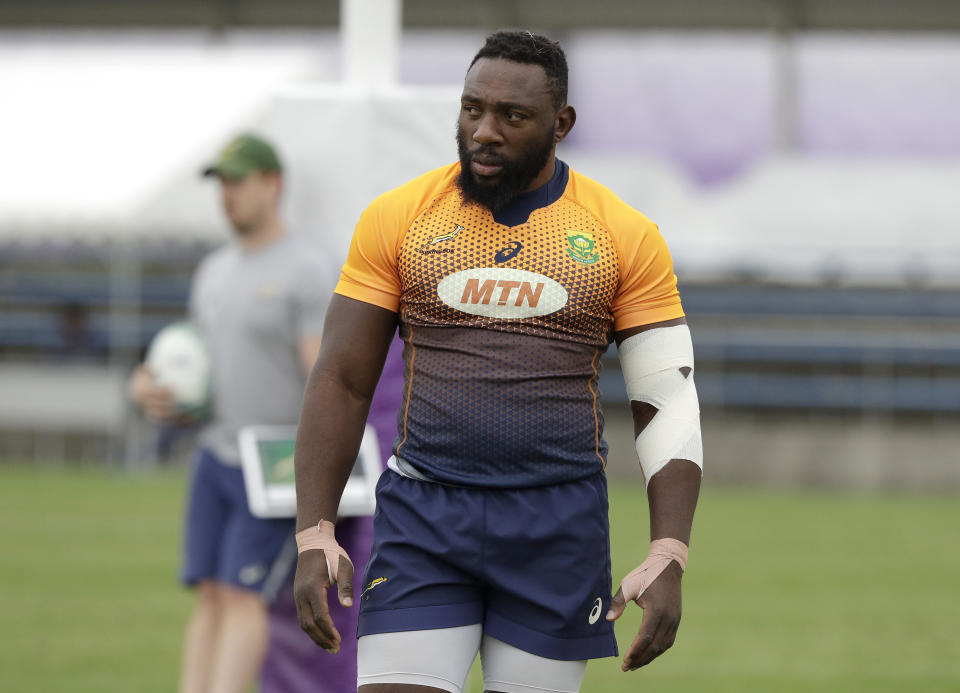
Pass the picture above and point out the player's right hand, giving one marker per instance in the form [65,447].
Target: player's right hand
[156,402]
[310,586]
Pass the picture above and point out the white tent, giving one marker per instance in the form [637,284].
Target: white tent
[342,146]
[95,125]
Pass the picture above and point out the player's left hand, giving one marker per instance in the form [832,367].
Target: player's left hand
[661,603]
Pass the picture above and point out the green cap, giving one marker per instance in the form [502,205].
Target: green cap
[243,156]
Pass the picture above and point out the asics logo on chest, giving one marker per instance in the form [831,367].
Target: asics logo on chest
[508,253]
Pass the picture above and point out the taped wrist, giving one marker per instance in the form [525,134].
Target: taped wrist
[662,552]
[322,537]
[658,370]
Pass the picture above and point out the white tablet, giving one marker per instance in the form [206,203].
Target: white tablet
[266,453]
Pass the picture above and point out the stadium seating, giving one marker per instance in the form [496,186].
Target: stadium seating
[758,346]
[823,348]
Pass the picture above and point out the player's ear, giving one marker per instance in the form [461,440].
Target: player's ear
[563,124]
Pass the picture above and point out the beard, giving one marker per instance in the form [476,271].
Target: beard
[515,175]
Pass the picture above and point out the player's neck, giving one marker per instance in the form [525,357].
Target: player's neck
[268,232]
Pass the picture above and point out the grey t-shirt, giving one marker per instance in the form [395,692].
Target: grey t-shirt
[252,308]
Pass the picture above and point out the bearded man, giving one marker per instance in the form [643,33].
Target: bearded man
[508,275]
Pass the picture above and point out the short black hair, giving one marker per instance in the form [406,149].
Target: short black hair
[530,49]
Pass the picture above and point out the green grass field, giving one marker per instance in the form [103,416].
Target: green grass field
[803,591]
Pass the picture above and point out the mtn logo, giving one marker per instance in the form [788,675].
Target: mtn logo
[502,292]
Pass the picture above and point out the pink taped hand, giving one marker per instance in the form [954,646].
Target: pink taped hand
[310,585]
[662,551]
[322,537]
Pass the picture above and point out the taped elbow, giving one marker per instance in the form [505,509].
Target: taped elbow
[658,369]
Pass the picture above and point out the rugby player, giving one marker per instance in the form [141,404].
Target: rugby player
[508,275]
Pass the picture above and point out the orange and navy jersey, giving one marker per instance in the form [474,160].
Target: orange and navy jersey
[504,325]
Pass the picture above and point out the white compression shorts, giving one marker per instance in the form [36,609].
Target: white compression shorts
[652,361]
[441,658]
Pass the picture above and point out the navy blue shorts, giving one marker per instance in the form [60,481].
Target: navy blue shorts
[531,565]
[224,542]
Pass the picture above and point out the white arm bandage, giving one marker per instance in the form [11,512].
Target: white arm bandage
[651,363]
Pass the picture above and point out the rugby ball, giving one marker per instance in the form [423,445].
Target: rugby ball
[179,360]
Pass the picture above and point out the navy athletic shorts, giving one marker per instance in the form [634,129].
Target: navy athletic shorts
[532,565]
[224,542]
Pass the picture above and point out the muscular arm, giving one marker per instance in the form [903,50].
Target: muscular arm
[672,498]
[356,337]
[335,404]
[672,492]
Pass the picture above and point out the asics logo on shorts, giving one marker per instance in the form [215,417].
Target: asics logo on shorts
[250,574]
[595,611]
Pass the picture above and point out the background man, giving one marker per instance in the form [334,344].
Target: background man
[259,303]
[508,273]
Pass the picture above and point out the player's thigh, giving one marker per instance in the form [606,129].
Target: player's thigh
[432,660]
[547,570]
[507,669]
[422,575]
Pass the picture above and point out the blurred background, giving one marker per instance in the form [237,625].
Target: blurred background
[801,157]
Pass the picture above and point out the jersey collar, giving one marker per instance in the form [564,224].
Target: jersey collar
[519,210]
